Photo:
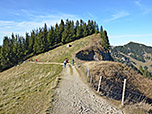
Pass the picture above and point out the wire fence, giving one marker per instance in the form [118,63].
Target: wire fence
[115,90]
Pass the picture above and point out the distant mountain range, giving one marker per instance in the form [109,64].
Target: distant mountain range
[134,55]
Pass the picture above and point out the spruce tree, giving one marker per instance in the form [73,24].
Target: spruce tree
[77,29]
[89,27]
[64,36]
[5,60]
[92,27]
[101,31]
[104,40]
[81,29]
[39,44]
[61,28]
[26,46]
[85,31]
[31,41]
[45,32]
[50,37]
[57,34]
[71,31]
[96,29]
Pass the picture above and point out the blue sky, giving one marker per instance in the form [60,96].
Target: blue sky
[124,20]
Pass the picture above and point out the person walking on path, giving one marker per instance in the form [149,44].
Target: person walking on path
[73,62]
[65,63]
[67,60]
[35,60]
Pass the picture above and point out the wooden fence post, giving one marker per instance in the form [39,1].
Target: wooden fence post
[123,93]
[91,79]
[99,83]
[88,72]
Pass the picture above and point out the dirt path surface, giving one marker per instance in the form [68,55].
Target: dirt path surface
[73,96]
[47,63]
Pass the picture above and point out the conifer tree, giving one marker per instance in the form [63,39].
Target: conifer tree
[92,27]
[61,28]
[5,53]
[85,31]
[20,48]
[81,29]
[105,41]
[78,30]
[50,37]
[26,46]
[96,29]
[39,43]
[45,32]
[31,42]
[71,31]
[101,31]
[57,34]
[67,31]
[64,36]
[89,27]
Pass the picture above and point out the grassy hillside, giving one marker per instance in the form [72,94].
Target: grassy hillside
[27,88]
[62,52]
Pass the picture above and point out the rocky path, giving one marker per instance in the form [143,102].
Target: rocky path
[74,97]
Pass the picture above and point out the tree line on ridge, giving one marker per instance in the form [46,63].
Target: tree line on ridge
[16,48]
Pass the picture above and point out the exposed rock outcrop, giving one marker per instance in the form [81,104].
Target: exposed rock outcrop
[94,52]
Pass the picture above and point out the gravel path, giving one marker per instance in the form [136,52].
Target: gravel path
[74,97]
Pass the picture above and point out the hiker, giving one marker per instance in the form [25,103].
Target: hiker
[67,60]
[65,63]
[35,60]
[30,60]
[73,62]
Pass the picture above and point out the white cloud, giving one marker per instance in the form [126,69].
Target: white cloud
[92,16]
[118,15]
[32,21]
[138,3]
[145,10]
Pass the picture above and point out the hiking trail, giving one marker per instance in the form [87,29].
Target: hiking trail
[73,96]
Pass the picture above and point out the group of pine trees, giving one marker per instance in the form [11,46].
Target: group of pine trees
[16,48]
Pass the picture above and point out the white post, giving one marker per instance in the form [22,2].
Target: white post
[99,84]
[91,79]
[123,93]
[88,72]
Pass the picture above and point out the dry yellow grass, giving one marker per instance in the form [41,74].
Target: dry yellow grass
[134,80]
[27,89]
